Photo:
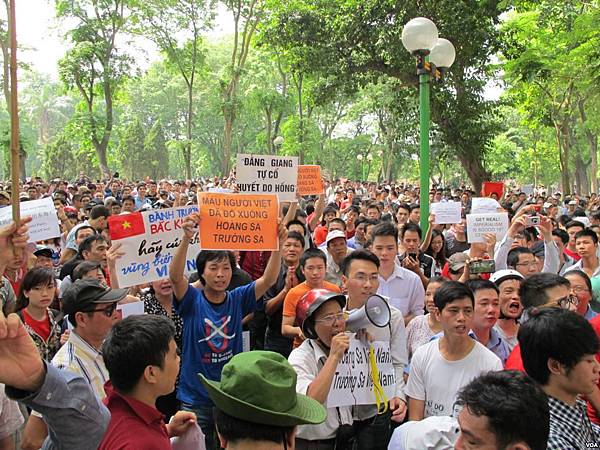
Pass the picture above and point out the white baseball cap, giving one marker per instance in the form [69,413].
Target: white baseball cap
[334,235]
[505,274]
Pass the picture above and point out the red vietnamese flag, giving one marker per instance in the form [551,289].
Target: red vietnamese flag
[126,225]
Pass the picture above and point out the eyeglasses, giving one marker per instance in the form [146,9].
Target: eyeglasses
[527,264]
[108,311]
[330,320]
[579,289]
[565,302]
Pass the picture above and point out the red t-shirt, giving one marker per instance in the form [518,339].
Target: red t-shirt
[320,235]
[41,327]
[133,424]
[514,361]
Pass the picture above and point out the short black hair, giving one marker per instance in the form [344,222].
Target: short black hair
[297,236]
[478,285]
[409,226]
[374,206]
[533,289]
[384,229]
[554,333]
[312,253]
[562,234]
[574,223]
[86,244]
[338,220]
[129,198]
[404,206]
[206,256]
[84,267]
[133,344]
[234,429]
[295,222]
[84,227]
[99,211]
[360,255]
[515,406]
[587,232]
[513,256]
[451,291]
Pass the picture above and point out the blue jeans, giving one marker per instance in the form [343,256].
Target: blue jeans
[206,421]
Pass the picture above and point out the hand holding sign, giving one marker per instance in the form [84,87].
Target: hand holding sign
[190,225]
[339,345]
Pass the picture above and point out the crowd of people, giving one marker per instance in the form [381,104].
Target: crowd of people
[493,344]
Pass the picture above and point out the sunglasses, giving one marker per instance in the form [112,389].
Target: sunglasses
[108,311]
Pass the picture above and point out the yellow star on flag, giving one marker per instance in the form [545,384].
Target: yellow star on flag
[126,225]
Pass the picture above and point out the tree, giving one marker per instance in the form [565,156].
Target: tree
[95,66]
[168,22]
[349,43]
[158,154]
[246,16]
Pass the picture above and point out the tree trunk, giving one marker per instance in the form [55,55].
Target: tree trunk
[592,140]
[187,149]
[270,137]
[229,116]
[475,171]
[301,123]
[563,159]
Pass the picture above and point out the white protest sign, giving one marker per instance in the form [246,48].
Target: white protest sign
[480,224]
[264,174]
[131,309]
[45,221]
[446,212]
[352,382]
[149,240]
[484,205]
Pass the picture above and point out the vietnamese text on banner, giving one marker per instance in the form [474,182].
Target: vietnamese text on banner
[352,382]
[446,212]
[149,240]
[265,174]
[310,181]
[44,224]
[238,221]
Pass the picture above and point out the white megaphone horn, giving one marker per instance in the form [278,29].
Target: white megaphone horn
[376,311]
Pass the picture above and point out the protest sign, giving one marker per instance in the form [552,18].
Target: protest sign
[446,212]
[309,180]
[352,382]
[238,221]
[45,221]
[149,240]
[130,309]
[264,174]
[480,224]
[492,187]
[484,205]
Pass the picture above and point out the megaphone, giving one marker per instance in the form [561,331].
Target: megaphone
[376,311]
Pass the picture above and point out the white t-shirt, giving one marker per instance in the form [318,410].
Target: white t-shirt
[437,381]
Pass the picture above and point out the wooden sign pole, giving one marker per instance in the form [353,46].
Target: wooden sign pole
[15,163]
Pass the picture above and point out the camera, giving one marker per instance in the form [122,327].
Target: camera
[532,220]
[483,266]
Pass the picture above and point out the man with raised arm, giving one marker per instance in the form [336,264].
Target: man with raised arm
[212,319]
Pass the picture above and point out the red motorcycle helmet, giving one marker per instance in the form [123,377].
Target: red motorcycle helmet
[309,303]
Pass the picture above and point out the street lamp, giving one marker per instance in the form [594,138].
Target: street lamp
[360,157]
[420,38]
[278,142]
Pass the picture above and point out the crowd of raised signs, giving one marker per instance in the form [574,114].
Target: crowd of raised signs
[361,332]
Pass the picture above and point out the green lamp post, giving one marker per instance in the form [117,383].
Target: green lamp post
[420,38]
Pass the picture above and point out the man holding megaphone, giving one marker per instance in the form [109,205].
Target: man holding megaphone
[382,322]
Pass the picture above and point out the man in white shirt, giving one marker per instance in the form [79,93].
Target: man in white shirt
[586,243]
[442,367]
[360,281]
[402,287]
[315,361]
